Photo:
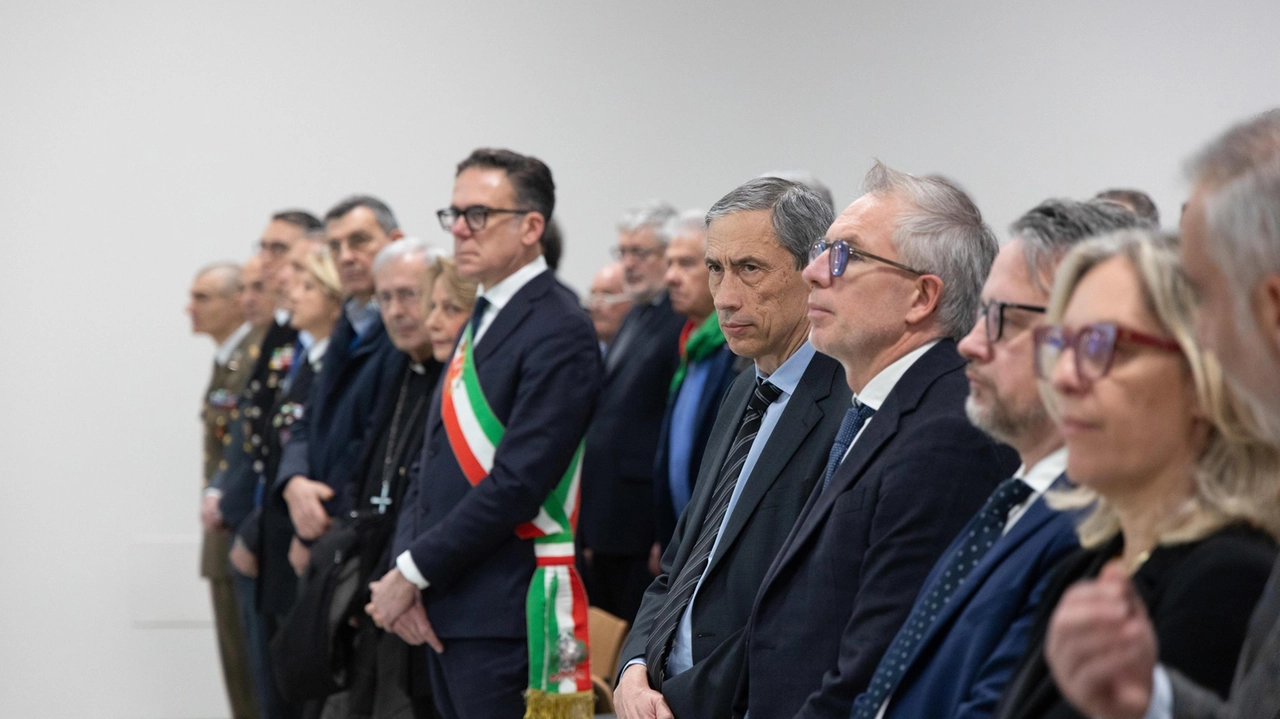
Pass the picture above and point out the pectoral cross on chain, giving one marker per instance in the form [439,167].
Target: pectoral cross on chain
[384,500]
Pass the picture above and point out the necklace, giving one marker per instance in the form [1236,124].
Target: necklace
[396,445]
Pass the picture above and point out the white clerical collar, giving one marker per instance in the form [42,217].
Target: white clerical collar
[1045,472]
[228,347]
[878,389]
[315,353]
[282,316]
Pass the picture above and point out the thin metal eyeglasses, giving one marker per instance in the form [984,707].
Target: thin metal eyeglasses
[992,315]
[842,251]
[640,253]
[477,216]
[1093,346]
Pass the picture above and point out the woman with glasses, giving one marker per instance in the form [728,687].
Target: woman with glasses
[1175,487]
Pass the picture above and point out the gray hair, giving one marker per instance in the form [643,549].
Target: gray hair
[653,215]
[1138,201]
[809,180]
[941,232]
[1241,171]
[799,215]
[403,249]
[687,222]
[228,273]
[385,217]
[1054,226]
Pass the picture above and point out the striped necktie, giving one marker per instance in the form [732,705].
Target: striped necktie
[681,590]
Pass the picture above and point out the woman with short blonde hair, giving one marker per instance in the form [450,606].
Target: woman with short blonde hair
[1175,485]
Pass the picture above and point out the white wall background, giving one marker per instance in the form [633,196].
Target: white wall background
[139,140]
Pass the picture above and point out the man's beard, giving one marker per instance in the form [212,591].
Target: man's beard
[1002,422]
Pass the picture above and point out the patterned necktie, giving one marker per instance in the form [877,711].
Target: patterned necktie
[686,581]
[477,316]
[984,530]
[853,420]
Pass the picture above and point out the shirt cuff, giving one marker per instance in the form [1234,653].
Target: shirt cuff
[212,492]
[405,564]
[1161,706]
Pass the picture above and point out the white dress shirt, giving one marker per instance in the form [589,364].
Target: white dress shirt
[222,355]
[498,296]
[878,389]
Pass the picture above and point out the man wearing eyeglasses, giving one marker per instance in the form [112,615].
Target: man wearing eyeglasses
[955,662]
[617,521]
[893,284]
[608,304]
[487,521]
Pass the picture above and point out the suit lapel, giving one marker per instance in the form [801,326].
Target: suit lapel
[799,418]
[880,429]
[1036,516]
[512,315]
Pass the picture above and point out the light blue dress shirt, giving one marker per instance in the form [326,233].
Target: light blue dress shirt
[786,378]
[684,418]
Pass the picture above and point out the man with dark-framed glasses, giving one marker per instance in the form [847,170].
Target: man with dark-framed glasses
[958,660]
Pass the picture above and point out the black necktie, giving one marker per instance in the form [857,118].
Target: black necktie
[477,316]
[686,581]
[987,526]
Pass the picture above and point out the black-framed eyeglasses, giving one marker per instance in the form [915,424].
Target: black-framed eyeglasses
[1093,345]
[842,252]
[477,216]
[992,314]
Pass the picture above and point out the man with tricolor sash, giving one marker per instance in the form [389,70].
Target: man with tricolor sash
[484,570]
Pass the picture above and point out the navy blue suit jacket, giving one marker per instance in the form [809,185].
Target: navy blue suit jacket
[961,667]
[849,572]
[326,443]
[721,371]
[539,368]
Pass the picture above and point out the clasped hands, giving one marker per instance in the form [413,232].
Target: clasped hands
[395,604]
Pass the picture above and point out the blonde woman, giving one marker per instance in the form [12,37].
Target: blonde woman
[449,304]
[1175,485]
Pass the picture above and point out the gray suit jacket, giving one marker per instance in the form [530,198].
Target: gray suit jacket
[1255,692]
[789,466]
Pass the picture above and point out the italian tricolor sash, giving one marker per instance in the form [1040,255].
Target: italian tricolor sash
[559,669]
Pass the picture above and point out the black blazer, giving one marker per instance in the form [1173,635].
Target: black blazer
[721,371]
[789,466]
[539,367]
[848,575]
[1199,596]
[326,443]
[617,469]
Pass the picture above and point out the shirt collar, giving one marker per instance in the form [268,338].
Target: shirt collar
[878,389]
[316,351]
[787,377]
[1045,472]
[222,355]
[361,316]
[500,294]
[282,316]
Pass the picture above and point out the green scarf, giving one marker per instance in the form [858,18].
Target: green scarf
[705,339]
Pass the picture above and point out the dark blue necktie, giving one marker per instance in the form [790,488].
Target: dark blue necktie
[477,315]
[857,416]
[985,528]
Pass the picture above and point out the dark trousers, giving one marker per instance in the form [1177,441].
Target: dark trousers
[479,678]
[616,582]
[258,632]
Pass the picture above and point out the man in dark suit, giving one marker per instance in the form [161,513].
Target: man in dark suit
[707,368]
[324,446]
[464,547]
[954,663]
[767,451]
[1101,646]
[616,521]
[896,279]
